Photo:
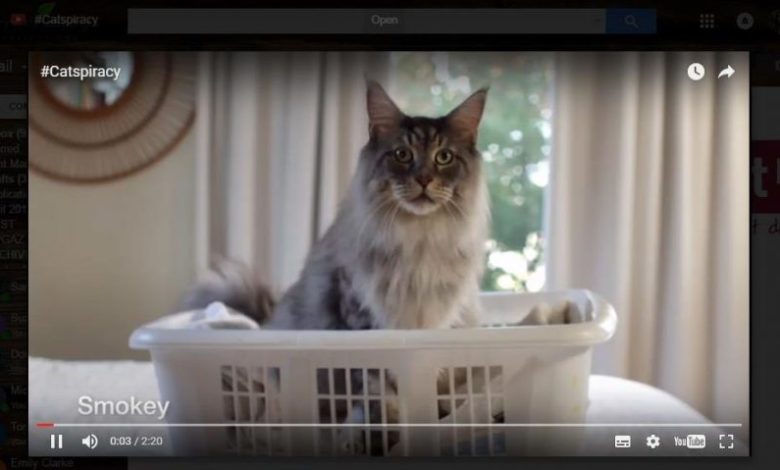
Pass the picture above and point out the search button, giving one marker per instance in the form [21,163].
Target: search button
[631,21]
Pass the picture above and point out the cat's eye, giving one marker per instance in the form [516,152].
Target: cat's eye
[444,157]
[402,155]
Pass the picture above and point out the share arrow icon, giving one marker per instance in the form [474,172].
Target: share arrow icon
[728,72]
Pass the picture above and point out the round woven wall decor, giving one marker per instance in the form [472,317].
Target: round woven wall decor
[100,129]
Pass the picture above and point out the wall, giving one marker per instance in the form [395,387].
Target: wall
[106,258]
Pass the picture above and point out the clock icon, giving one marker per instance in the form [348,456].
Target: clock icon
[696,71]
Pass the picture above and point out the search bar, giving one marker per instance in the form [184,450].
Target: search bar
[390,21]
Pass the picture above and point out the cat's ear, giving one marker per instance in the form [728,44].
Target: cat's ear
[383,115]
[464,120]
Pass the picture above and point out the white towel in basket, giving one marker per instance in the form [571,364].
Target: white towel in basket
[218,316]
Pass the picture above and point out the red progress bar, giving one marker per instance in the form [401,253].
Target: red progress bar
[45,425]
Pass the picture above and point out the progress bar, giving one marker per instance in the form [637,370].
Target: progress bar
[387,425]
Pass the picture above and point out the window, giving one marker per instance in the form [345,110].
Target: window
[514,139]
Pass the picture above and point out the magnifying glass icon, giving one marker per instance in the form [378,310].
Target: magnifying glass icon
[630,20]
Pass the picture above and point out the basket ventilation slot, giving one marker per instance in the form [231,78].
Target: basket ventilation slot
[366,399]
[476,395]
[253,395]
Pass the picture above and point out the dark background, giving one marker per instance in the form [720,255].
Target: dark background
[678,29]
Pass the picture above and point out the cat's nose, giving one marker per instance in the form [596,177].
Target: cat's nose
[424,180]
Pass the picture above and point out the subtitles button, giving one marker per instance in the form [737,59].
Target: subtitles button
[622,442]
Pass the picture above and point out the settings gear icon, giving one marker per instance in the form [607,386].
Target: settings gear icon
[653,441]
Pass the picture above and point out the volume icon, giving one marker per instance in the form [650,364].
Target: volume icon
[90,441]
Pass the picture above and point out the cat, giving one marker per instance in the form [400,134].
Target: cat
[406,249]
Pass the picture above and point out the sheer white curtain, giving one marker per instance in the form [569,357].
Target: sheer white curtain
[277,147]
[649,207]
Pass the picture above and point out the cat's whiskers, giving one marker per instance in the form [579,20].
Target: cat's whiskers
[457,208]
[445,196]
[400,192]
[391,219]
[449,212]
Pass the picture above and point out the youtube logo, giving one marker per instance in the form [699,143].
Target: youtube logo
[18,19]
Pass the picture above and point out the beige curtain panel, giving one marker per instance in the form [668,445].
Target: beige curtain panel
[649,207]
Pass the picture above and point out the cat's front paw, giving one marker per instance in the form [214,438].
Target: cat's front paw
[559,314]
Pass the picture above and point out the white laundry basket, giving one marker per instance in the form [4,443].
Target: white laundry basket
[285,392]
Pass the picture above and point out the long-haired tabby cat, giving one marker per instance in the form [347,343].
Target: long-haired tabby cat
[406,247]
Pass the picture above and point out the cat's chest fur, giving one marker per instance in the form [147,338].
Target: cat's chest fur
[418,275]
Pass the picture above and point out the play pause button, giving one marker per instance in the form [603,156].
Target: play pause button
[56,441]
